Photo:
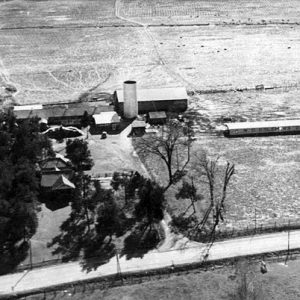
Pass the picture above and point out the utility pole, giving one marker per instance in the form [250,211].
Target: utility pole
[30,254]
[255,219]
[288,249]
[119,272]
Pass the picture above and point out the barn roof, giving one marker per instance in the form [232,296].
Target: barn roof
[107,117]
[262,124]
[176,93]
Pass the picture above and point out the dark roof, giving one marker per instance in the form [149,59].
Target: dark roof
[157,115]
[53,162]
[48,180]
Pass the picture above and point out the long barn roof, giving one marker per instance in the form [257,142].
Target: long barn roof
[176,93]
[262,124]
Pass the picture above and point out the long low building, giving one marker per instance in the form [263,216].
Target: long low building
[61,115]
[163,99]
[279,127]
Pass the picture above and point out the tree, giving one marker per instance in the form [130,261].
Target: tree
[189,191]
[172,140]
[85,120]
[21,146]
[209,170]
[79,154]
[129,182]
[150,207]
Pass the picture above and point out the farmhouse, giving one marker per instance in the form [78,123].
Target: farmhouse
[163,99]
[56,174]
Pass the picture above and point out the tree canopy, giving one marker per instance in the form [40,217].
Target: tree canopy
[21,147]
[173,140]
[78,152]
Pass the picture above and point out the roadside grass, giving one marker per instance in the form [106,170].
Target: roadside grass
[280,282]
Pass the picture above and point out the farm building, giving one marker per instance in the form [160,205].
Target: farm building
[157,117]
[107,121]
[61,115]
[138,128]
[279,127]
[164,99]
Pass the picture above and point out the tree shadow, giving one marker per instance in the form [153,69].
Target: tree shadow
[140,241]
[55,200]
[12,256]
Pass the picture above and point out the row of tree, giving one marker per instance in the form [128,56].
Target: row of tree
[21,147]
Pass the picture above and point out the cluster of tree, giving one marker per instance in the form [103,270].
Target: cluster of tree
[99,217]
[21,147]
[175,138]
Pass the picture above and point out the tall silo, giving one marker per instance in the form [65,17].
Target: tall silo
[130,99]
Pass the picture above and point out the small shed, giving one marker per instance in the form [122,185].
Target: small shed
[108,121]
[157,117]
[138,128]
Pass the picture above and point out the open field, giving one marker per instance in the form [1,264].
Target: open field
[209,12]
[62,51]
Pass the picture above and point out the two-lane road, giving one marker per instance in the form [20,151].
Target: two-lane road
[68,272]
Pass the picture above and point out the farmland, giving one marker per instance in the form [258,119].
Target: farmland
[54,51]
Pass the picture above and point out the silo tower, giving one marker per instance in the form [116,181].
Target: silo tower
[130,99]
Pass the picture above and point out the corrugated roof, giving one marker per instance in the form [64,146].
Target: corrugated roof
[176,93]
[107,117]
[157,115]
[262,124]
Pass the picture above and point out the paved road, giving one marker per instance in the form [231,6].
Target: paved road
[68,272]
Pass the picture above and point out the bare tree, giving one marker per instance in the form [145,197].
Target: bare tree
[209,170]
[173,138]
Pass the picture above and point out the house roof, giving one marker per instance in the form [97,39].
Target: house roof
[138,124]
[48,180]
[54,162]
[157,115]
[107,117]
[63,183]
[176,93]
[262,124]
